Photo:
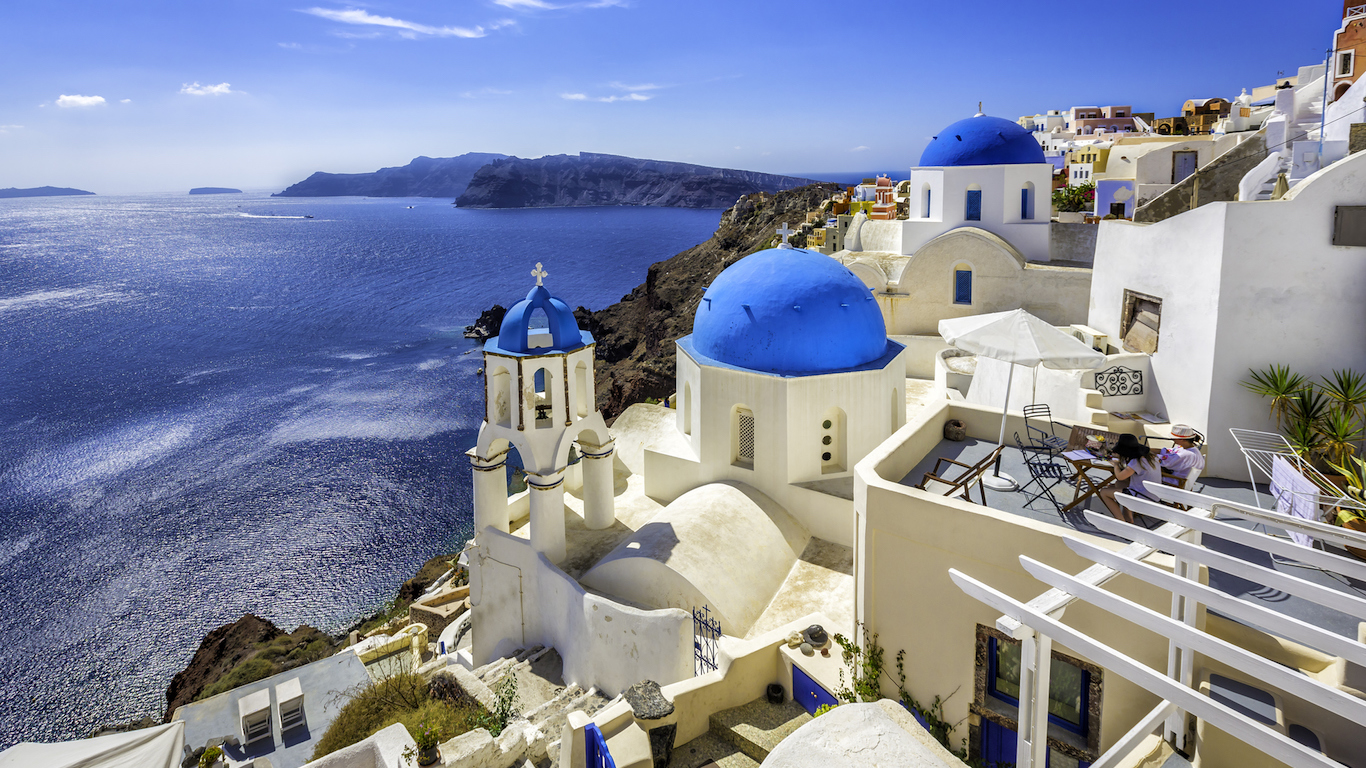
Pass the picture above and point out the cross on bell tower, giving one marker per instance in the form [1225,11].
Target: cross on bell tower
[786,233]
[539,273]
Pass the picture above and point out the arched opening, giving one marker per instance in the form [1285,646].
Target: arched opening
[925,201]
[742,436]
[540,398]
[581,389]
[687,408]
[962,284]
[1341,90]
[500,397]
[538,329]
[1027,201]
[833,431]
[973,206]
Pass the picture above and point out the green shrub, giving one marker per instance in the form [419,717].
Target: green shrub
[249,671]
[403,699]
[210,756]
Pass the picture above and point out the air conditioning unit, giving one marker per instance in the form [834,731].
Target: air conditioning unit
[1091,338]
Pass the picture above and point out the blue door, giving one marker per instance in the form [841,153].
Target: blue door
[809,693]
[974,205]
[999,744]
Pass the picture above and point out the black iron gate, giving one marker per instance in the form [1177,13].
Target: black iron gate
[706,631]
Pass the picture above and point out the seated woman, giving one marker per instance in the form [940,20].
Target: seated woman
[1139,465]
[1185,457]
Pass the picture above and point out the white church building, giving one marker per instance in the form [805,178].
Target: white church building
[786,382]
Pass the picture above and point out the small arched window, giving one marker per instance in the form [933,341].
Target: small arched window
[1027,201]
[925,202]
[687,408]
[581,388]
[973,210]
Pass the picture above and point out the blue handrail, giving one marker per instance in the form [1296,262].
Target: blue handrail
[595,748]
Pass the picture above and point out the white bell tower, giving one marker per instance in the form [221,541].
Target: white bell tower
[539,399]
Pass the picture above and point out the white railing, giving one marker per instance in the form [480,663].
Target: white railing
[1354,11]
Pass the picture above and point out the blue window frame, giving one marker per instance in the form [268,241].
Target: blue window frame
[1025,212]
[962,286]
[1068,689]
[974,212]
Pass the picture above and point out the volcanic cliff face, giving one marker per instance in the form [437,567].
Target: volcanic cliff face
[591,179]
[423,177]
[636,335]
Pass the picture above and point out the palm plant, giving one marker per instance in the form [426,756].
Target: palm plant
[1339,430]
[1280,385]
[1355,472]
[1347,388]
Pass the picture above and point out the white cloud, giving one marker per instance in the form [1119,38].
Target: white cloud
[125,101]
[605,99]
[642,87]
[195,89]
[4,129]
[408,29]
[79,101]
[859,149]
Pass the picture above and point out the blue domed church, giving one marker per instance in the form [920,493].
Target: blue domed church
[977,234]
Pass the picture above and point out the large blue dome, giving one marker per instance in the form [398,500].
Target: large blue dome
[788,310]
[982,140]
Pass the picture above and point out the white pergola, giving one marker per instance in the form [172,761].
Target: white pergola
[1038,623]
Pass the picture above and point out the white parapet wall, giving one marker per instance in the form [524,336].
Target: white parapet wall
[521,599]
[384,749]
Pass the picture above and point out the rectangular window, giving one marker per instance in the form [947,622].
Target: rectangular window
[974,211]
[1067,685]
[1025,212]
[1345,63]
[962,286]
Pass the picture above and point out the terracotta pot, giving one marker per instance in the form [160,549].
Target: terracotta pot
[1356,524]
[955,430]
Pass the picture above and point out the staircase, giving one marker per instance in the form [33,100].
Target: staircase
[741,737]
[1269,185]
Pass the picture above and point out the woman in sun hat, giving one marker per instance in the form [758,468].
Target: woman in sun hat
[1184,457]
[1139,465]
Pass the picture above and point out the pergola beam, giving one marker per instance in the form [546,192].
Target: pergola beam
[1272,743]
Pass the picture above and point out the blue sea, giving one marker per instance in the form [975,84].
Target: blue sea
[211,406]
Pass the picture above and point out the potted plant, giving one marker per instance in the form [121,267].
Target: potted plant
[427,738]
[212,758]
[1354,473]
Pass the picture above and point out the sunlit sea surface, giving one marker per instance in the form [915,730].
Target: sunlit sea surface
[213,405]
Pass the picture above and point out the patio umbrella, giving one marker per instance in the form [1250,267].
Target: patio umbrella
[1019,338]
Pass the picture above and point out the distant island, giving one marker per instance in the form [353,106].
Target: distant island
[215,191]
[423,177]
[42,192]
[593,179]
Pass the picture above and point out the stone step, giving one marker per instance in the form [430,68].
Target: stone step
[1094,399]
[757,727]
[710,751]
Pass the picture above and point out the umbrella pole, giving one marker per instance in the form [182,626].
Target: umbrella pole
[997,481]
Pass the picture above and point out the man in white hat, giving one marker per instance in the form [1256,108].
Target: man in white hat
[1184,457]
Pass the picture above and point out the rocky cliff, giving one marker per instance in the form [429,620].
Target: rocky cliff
[423,177]
[591,179]
[636,335]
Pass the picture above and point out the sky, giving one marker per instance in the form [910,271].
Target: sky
[146,97]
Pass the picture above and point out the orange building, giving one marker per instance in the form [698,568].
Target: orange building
[1348,43]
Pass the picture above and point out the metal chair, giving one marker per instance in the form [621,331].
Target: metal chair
[1042,472]
[1046,440]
